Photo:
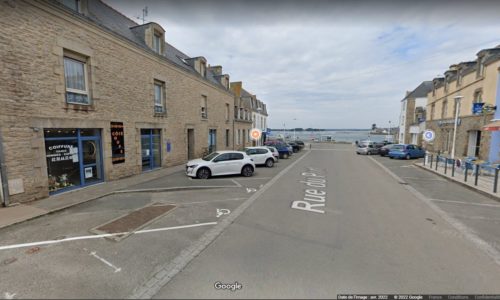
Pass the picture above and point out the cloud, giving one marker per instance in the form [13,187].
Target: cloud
[329,64]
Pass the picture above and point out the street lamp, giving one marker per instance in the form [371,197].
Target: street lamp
[457,110]
[294,138]
[389,138]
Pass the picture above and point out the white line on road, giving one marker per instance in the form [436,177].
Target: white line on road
[94,254]
[459,226]
[467,203]
[210,201]
[98,236]
[9,295]
[236,182]
[426,179]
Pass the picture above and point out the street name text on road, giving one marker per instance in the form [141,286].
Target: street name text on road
[312,195]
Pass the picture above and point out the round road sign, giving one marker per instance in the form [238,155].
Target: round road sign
[429,135]
[255,134]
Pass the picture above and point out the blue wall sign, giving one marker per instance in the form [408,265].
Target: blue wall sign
[169,146]
[477,108]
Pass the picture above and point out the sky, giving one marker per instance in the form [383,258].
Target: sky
[326,64]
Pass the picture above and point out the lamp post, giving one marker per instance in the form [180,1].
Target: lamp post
[294,138]
[457,110]
[389,138]
[257,123]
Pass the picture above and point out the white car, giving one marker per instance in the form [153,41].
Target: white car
[261,156]
[221,163]
[275,152]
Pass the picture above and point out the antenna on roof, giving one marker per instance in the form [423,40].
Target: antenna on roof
[144,14]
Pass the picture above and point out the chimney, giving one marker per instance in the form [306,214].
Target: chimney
[236,88]
[217,70]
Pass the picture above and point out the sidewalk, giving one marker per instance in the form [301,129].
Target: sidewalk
[484,185]
[22,212]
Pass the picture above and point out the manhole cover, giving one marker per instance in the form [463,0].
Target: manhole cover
[133,221]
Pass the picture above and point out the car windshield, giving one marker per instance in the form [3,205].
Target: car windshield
[210,156]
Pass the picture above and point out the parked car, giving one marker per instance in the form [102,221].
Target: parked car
[300,143]
[275,152]
[283,150]
[406,151]
[295,147]
[221,163]
[367,149]
[385,149]
[261,156]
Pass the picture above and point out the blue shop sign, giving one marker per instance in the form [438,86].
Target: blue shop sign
[477,108]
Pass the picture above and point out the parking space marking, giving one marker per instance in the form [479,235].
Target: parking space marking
[98,236]
[426,179]
[8,295]
[94,254]
[210,201]
[236,182]
[466,203]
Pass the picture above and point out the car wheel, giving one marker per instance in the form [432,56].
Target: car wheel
[285,156]
[247,171]
[203,173]
[269,162]
[391,157]
[368,153]
[407,156]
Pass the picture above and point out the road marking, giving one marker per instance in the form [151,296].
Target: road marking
[210,201]
[236,182]
[426,179]
[251,190]
[151,286]
[222,211]
[469,234]
[407,166]
[9,295]
[98,236]
[467,203]
[94,254]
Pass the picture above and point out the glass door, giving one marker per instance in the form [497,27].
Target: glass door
[91,160]
[150,148]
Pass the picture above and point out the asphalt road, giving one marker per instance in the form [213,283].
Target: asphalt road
[324,222]
[374,236]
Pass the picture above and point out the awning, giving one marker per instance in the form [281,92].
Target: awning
[493,126]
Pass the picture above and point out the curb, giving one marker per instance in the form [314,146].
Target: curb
[484,193]
[154,190]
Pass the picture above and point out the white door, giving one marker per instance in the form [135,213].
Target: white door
[471,147]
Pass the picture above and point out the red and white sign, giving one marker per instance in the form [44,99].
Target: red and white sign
[255,134]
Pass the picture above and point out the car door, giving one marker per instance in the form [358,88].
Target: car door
[222,164]
[261,156]
[236,162]
[411,150]
[420,151]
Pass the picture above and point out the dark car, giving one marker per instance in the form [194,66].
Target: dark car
[384,151]
[282,148]
[295,147]
[300,143]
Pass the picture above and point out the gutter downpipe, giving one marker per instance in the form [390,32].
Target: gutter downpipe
[4,188]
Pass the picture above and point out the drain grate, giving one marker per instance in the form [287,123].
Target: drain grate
[133,221]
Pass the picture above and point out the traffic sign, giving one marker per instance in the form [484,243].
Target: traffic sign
[255,134]
[429,135]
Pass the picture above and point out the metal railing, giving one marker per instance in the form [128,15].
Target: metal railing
[468,168]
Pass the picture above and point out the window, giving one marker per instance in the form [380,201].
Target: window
[223,157]
[236,156]
[444,111]
[157,42]
[261,151]
[159,89]
[204,112]
[239,137]
[227,111]
[433,110]
[446,85]
[480,67]
[236,112]
[227,138]
[459,78]
[73,4]
[75,75]
[478,96]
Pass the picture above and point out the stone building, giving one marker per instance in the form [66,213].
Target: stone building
[259,118]
[242,116]
[472,88]
[413,113]
[88,95]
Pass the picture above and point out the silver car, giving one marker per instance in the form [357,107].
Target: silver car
[367,149]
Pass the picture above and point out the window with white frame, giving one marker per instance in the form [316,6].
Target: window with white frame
[204,112]
[480,67]
[159,96]
[76,79]
[478,96]
[157,42]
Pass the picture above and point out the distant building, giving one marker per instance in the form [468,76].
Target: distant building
[476,84]
[413,114]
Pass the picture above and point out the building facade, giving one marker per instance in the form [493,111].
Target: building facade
[259,117]
[242,123]
[471,89]
[88,95]
[413,114]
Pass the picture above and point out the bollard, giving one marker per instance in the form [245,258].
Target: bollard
[425,158]
[466,171]
[437,162]
[432,156]
[477,175]
[445,165]
[453,168]
[495,183]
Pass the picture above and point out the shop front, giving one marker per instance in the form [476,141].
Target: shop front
[74,158]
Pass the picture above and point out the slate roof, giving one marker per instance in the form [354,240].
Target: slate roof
[107,17]
[421,91]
